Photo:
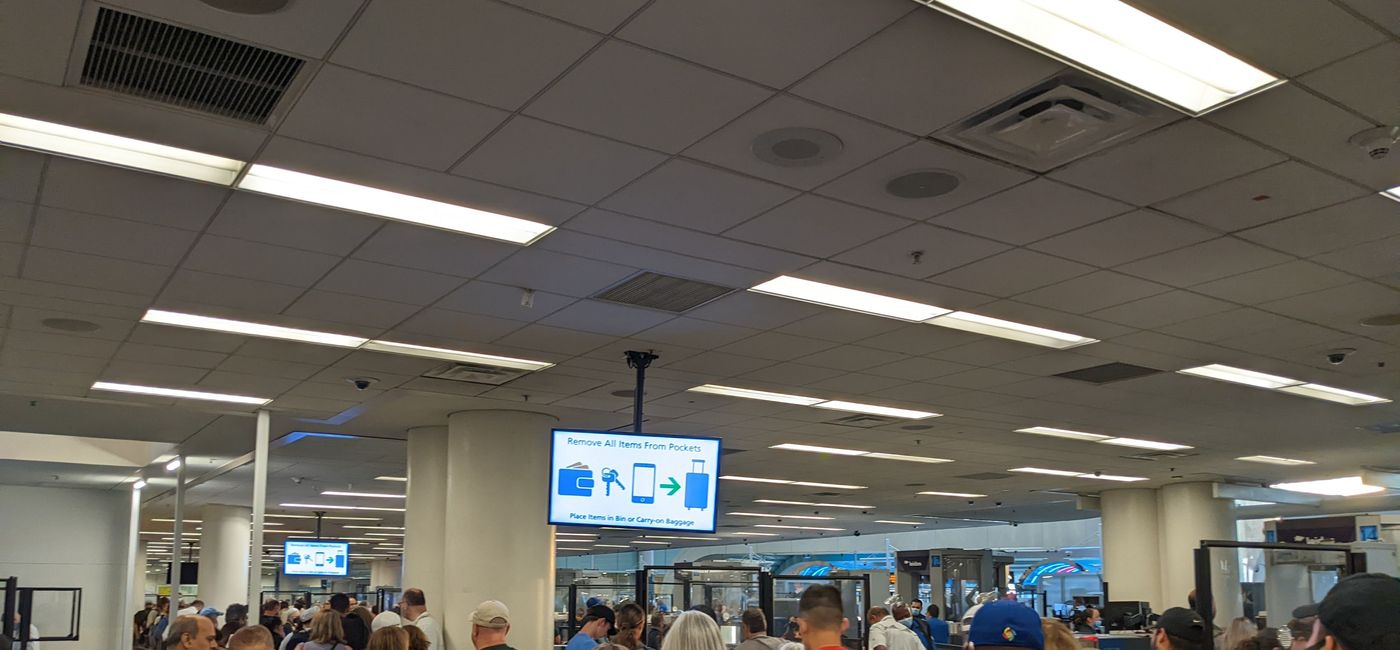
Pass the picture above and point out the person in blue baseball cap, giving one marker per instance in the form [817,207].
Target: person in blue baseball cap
[1006,624]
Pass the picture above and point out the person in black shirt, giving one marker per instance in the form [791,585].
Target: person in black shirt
[356,632]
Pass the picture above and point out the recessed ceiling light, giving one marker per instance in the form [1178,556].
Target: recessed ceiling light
[769,515]
[322,506]
[698,539]
[401,479]
[779,481]
[372,495]
[454,355]
[820,450]
[751,533]
[375,527]
[1318,391]
[1114,40]
[611,546]
[1113,477]
[642,541]
[766,396]
[1347,486]
[571,548]
[188,521]
[193,321]
[1222,372]
[906,457]
[894,521]
[1274,460]
[1064,433]
[385,534]
[328,517]
[178,393]
[874,409]
[834,486]
[963,495]
[809,503]
[797,527]
[116,150]
[851,299]
[752,479]
[1145,444]
[978,324]
[391,205]
[1047,472]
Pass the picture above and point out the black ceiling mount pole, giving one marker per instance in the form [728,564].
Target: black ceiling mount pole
[640,361]
[319,515]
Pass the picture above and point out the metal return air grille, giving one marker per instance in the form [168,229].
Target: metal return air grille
[147,58]
[664,292]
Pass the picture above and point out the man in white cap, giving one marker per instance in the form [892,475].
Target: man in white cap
[490,625]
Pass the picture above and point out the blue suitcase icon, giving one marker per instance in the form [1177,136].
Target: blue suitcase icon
[697,486]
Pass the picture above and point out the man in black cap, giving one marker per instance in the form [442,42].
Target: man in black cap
[597,623]
[1179,628]
[1300,628]
[1361,613]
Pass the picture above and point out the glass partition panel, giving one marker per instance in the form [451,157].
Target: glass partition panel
[855,601]
[1251,587]
[727,592]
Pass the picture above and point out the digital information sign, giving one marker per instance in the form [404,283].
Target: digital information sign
[308,557]
[633,480]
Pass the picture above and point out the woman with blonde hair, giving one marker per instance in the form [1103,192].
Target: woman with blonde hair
[326,632]
[1057,635]
[693,630]
[1241,629]
[388,638]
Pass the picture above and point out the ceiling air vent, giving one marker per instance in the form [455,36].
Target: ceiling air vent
[862,421]
[158,61]
[1383,427]
[984,476]
[474,373]
[1159,455]
[1059,120]
[663,292]
[1109,372]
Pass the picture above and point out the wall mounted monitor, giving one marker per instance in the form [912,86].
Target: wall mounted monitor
[315,557]
[633,480]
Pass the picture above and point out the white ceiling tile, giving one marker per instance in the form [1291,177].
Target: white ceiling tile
[1362,83]
[23,169]
[790,374]
[902,76]
[748,309]
[815,225]
[1163,309]
[188,286]
[987,351]
[698,197]
[896,286]
[598,15]
[981,378]
[15,356]
[309,30]
[37,47]
[189,339]
[1376,259]
[777,346]
[138,196]
[130,240]
[1290,42]
[659,236]
[31,319]
[1211,260]
[925,394]
[456,325]
[502,300]
[317,355]
[919,368]
[345,308]
[388,282]
[533,268]
[1031,211]
[602,248]
[1168,162]
[61,344]
[379,117]
[288,223]
[440,186]
[241,384]
[47,377]
[856,383]
[841,326]
[554,339]
[1050,363]
[170,356]
[920,251]
[255,261]
[1346,224]
[486,51]
[1382,11]
[1273,118]
[1339,307]
[1274,282]
[1125,238]
[720,364]
[852,358]
[10,257]
[558,161]
[733,145]
[51,265]
[737,36]
[152,374]
[628,93]
[1227,324]
[1092,292]
[1259,197]
[697,333]
[606,318]
[1015,271]
[270,367]
[978,178]
[433,250]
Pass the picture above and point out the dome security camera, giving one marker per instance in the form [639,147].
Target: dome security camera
[1339,356]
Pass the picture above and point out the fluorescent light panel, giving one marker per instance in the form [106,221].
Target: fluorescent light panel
[195,321]
[964,495]
[642,541]
[1274,460]
[904,523]
[1341,396]
[1144,444]
[753,534]
[779,481]
[785,526]
[322,506]
[770,515]
[328,517]
[873,409]
[400,479]
[1047,472]
[116,150]
[412,350]
[611,546]
[1347,486]
[979,324]
[851,299]
[856,452]
[374,527]
[747,393]
[809,503]
[1064,433]
[571,548]
[298,186]
[178,393]
[1283,384]
[1060,472]
[700,539]
[372,495]
[912,459]
[1129,47]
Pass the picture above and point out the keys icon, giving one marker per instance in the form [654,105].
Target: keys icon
[610,477]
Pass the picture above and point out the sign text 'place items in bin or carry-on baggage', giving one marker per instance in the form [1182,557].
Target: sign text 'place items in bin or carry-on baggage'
[697,486]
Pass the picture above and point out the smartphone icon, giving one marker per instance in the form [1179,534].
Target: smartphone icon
[643,483]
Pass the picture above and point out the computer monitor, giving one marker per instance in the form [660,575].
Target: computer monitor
[1125,615]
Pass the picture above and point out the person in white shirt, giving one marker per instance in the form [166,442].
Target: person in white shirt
[889,634]
[414,609]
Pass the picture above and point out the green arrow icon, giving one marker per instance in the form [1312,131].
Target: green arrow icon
[671,485]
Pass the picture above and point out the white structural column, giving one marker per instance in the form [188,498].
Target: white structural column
[139,565]
[135,573]
[223,555]
[385,573]
[425,519]
[501,547]
[1131,556]
[1189,513]
[253,583]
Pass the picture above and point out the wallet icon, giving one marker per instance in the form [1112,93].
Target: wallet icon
[576,480]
